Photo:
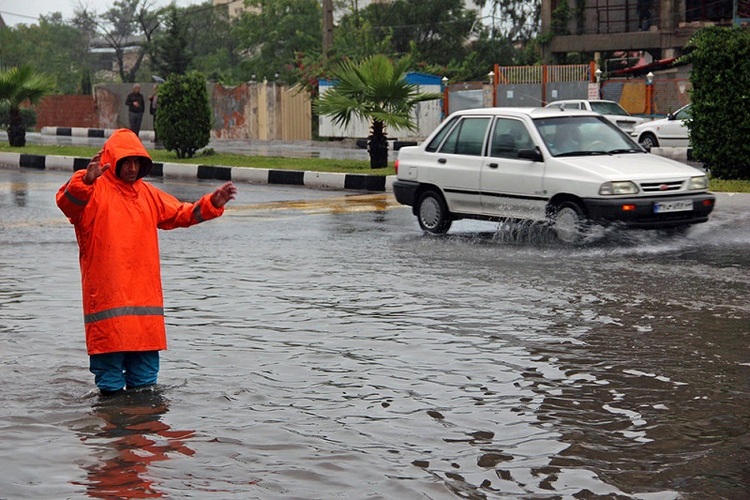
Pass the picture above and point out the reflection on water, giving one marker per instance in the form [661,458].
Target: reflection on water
[128,439]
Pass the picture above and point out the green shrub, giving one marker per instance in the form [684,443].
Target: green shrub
[720,113]
[183,120]
[28,117]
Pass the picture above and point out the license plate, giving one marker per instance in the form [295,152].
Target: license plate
[673,206]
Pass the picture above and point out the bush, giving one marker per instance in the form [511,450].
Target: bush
[28,117]
[720,113]
[183,121]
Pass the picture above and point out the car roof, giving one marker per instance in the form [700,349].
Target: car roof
[581,100]
[523,112]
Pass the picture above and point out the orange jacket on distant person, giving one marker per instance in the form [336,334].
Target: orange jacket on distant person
[116,228]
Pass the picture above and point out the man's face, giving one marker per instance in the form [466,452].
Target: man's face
[129,169]
[137,89]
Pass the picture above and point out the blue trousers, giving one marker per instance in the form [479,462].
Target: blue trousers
[117,370]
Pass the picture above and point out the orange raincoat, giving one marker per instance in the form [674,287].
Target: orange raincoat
[116,228]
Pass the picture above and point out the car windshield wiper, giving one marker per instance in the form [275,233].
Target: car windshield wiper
[625,150]
[582,153]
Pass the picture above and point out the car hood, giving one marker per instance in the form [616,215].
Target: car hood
[629,166]
[652,123]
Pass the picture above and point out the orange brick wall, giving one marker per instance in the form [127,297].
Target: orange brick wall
[67,111]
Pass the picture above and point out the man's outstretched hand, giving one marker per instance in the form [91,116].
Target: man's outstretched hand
[223,194]
[95,169]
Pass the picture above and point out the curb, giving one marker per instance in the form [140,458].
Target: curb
[313,180]
[143,135]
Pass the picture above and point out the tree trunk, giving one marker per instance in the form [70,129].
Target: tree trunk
[377,145]
[16,130]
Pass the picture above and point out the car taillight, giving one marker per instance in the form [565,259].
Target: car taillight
[395,166]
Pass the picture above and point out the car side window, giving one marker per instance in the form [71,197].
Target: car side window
[435,142]
[508,137]
[467,138]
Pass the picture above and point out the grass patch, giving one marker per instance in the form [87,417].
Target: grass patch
[732,186]
[222,159]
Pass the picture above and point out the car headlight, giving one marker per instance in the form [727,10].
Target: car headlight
[618,187]
[698,182]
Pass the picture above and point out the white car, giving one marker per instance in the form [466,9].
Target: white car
[669,132]
[610,109]
[568,169]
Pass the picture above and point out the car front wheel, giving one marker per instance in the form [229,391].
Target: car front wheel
[432,213]
[569,223]
[648,141]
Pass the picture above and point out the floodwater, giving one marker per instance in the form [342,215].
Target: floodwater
[322,347]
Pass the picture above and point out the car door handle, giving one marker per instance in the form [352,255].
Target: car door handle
[493,165]
[442,160]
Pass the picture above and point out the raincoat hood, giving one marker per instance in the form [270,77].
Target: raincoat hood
[123,143]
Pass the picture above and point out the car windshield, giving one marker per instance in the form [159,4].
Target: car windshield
[583,136]
[682,113]
[608,108]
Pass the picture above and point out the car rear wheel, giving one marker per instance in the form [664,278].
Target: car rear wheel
[569,223]
[648,141]
[432,213]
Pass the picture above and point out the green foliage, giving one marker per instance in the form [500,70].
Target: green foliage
[184,118]
[375,90]
[720,113]
[16,86]
[170,54]
[28,116]
[51,46]
[275,33]
[561,16]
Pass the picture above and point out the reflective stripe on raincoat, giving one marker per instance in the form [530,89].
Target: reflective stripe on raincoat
[116,228]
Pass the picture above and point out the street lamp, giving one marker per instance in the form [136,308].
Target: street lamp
[598,74]
[444,89]
[491,76]
[649,93]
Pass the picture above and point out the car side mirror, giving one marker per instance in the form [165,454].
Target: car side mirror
[670,116]
[530,154]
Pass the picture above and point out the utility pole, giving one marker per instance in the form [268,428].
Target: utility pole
[327,27]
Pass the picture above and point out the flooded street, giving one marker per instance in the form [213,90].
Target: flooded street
[321,347]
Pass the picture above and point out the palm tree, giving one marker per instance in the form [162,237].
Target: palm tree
[375,90]
[18,85]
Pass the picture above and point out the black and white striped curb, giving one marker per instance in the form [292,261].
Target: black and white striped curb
[148,135]
[144,135]
[315,180]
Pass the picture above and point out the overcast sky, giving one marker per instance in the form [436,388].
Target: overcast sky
[28,11]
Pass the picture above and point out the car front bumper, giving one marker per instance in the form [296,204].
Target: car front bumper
[641,212]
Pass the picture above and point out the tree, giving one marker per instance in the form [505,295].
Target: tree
[129,24]
[720,110]
[170,48]
[184,117]
[375,90]
[51,46]
[514,20]
[17,85]
[212,43]
[275,32]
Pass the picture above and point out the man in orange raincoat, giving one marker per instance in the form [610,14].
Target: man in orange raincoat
[116,216]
